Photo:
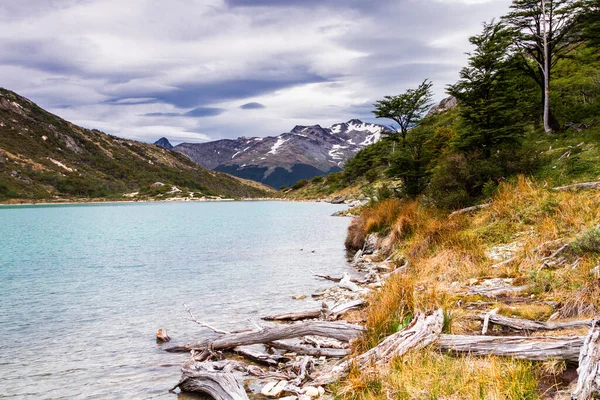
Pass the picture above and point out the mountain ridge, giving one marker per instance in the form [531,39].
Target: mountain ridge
[302,153]
[43,156]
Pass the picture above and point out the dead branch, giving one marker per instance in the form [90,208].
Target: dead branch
[579,186]
[216,380]
[202,324]
[469,209]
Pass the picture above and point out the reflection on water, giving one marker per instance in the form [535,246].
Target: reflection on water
[84,288]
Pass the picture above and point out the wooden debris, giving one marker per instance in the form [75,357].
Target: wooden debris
[214,379]
[531,326]
[469,209]
[498,291]
[522,347]
[337,330]
[310,351]
[324,312]
[579,186]
[423,330]
[162,335]
[588,383]
[259,355]
[486,320]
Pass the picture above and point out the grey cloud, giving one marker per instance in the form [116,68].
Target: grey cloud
[252,106]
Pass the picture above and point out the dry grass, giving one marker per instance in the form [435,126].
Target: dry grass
[432,375]
[445,254]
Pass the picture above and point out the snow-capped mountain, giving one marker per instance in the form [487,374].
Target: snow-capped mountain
[302,153]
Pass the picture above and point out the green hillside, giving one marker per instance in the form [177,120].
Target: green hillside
[45,157]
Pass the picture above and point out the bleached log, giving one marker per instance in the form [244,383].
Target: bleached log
[498,291]
[423,330]
[588,383]
[579,186]
[259,355]
[324,312]
[469,209]
[295,316]
[216,380]
[530,326]
[337,330]
[522,347]
[310,351]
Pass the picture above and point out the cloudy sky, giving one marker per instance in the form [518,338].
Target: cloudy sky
[197,70]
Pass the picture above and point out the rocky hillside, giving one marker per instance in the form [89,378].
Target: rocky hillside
[302,153]
[45,157]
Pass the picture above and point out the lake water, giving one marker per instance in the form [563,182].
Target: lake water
[84,288]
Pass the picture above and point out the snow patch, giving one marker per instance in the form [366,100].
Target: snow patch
[277,145]
[239,152]
[335,153]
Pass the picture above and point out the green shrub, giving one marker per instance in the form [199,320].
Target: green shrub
[300,184]
[589,242]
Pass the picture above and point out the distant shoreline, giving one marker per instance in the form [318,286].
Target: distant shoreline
[19,202]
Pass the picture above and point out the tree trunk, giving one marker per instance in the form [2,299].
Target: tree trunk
[588,383]
[522,347]
[531,326]
[546,70]
[337,330]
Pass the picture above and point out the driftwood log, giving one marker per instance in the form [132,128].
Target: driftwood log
[337,330]
[214,379]
[588,383]
[311,351]
[579,186]
[522,347]
[497,291]
[530,326]
[423,330]
[324,312]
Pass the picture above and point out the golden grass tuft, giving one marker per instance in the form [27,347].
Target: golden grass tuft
[429,374]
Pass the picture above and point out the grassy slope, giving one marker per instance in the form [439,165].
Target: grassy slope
[95,164]
[447,256]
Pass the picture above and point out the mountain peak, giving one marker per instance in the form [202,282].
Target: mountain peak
[164,142]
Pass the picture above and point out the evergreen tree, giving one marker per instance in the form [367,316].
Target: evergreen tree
[406,109]
[487,94]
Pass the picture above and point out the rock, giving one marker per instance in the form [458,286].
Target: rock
[370,244]
[338,200]
[357,256]
[445,105]
[267,388]
[304,397]
[299,297]
[274,390]
[311,391]
[157,185]
[162,335]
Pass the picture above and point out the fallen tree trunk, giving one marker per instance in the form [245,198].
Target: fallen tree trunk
[214,379]
[526,348]
[423,330]
[498,291]
[341,331]
[311,351]
[528,325]
[579,186]
[324,312]
[588,383]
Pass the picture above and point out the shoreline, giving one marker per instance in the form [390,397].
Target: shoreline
[147,201]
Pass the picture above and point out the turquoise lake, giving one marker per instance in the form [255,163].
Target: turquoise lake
[84,288]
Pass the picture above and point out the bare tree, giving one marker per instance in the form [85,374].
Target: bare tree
[545,31]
